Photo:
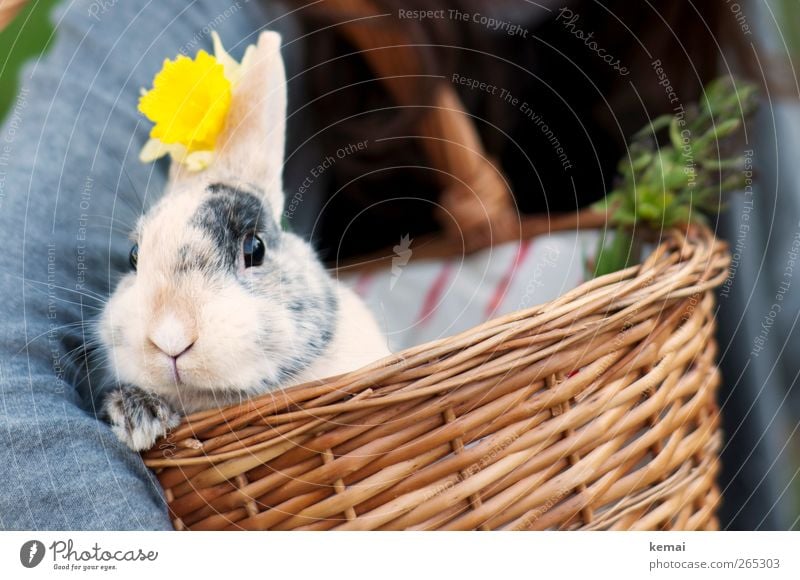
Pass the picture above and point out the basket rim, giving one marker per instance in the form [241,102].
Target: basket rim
[283,404]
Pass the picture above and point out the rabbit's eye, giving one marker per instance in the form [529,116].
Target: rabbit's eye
[134,256]
[253,249]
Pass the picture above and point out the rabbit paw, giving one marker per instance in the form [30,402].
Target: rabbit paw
[139,418]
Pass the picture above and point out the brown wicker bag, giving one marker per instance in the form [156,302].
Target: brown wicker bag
[594,411]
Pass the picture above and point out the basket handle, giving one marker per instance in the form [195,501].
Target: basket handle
[476,203]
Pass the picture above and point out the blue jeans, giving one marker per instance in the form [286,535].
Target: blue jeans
[68,172]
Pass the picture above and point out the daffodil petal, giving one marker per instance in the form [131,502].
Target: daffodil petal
[189,103]
[152,150]
[198,160]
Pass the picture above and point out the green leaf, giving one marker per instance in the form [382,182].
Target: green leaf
[615,254]
[623,216]
[654,127]
[736,163]
[675,134]
[674,184]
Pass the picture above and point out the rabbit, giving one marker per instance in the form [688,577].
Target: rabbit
[221,304]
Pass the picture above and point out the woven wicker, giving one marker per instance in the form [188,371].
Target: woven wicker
[594,411]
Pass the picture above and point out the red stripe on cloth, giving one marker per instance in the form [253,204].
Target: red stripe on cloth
[505,282]
[362,284]
[434,294]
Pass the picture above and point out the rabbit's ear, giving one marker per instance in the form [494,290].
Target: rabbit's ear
[250,149]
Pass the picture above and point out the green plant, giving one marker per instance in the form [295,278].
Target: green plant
[788,25]
[676,183]
[25,38]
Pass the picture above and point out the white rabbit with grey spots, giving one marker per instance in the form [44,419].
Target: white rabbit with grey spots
[221,304]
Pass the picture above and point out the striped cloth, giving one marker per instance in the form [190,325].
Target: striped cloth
[421,300]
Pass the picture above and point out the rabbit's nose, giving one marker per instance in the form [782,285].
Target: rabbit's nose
[171,336]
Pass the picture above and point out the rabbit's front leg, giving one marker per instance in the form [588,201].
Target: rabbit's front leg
[138,417]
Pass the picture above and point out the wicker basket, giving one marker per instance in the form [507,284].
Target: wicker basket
[594,411]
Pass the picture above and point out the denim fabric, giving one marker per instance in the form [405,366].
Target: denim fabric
[68,171]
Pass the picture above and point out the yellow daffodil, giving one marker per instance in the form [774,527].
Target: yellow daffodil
[189,103]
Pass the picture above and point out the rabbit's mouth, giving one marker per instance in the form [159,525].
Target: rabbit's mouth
[168,370]
[176,373]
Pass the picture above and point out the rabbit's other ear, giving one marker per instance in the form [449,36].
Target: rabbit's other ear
[250,149]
